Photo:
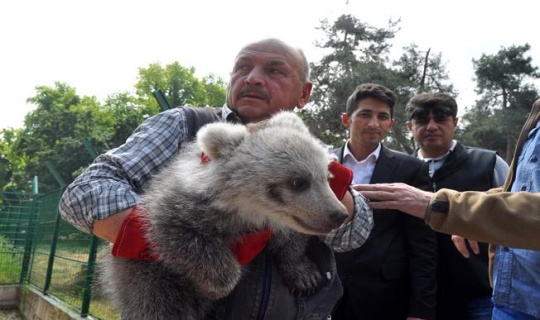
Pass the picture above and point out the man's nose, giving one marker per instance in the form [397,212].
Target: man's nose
[432,124]
[255,77]
[374,121]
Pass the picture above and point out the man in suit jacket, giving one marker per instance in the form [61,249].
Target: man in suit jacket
[393,275]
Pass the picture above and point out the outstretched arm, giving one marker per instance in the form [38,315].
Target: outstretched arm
[501,218]
[397,196]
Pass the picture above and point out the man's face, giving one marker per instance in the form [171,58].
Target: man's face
[433,130]
[369,123]
[265,79]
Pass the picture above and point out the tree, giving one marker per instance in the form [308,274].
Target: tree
[358,53]
[54,131]
[504,83]
[355,54]
[416,71]
[12,163]
[179,85]
[500,77]
[216,91]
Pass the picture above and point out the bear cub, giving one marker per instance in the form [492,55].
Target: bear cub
[271,175]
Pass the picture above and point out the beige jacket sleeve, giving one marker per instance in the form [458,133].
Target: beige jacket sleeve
[496,217]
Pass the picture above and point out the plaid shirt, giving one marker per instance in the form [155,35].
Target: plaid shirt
[113,182]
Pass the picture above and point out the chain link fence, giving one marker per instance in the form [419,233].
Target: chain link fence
[39,249]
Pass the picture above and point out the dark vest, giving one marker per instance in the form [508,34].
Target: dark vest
[465,169]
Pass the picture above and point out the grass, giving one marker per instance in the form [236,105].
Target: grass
[68,276]
[10,262]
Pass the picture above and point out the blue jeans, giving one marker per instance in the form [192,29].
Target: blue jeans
[505,313]
[478,308]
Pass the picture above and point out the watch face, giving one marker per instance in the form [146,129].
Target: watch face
[439,206]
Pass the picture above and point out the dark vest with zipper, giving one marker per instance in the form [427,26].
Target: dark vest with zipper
[464,169]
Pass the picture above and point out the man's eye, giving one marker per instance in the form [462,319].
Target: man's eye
[242,67]
[274,71]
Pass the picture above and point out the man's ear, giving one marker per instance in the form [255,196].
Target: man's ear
[306,94]
[219,140]
[408,124]
[345,120]
[456,119]
[392,123]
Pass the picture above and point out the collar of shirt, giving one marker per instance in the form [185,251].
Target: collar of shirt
[228,115]
[440,158]
[363,170]
[436,163]
[372,157]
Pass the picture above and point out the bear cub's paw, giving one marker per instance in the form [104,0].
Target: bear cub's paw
[301,276]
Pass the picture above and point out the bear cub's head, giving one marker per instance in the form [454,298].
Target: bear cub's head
[274,173]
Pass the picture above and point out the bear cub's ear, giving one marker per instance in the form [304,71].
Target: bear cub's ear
[219,140]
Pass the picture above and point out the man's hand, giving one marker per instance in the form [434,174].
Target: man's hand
[398,196]
[461,246]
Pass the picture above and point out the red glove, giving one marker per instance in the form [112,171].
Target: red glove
[248,246]
[340,178]
[131,243]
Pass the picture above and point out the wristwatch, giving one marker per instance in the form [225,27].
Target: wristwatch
[440,206]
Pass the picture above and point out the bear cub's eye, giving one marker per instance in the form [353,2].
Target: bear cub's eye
[298,184]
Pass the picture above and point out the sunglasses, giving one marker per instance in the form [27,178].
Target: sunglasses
[421,115]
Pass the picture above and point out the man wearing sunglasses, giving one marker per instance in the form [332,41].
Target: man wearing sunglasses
[464,290]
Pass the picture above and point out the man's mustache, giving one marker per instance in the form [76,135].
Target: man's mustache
[253,91]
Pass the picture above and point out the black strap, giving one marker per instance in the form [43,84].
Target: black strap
[198,117]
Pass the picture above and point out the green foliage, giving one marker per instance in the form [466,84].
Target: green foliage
[357,53]
[53,132]
[500,76]
[504,83]
[216,91]
[180,86]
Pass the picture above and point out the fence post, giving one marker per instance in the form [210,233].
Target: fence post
[52,253]
[30,232]
[91,263]
[87,290]
[161,100]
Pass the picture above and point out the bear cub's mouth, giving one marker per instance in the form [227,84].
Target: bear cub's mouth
[311,229]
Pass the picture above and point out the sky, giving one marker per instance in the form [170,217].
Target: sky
[98,46]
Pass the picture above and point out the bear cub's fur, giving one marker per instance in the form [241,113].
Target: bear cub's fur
[271,174]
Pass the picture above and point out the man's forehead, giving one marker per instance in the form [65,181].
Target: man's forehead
[268,51]
[369,105]
[267,58]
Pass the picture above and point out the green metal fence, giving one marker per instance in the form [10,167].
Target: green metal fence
[39,249]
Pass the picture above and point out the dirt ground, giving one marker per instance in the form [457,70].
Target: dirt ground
[10,314]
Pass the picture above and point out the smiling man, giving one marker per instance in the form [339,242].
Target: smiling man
[392,276]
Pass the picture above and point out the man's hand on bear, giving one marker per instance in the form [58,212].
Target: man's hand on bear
[132,244]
